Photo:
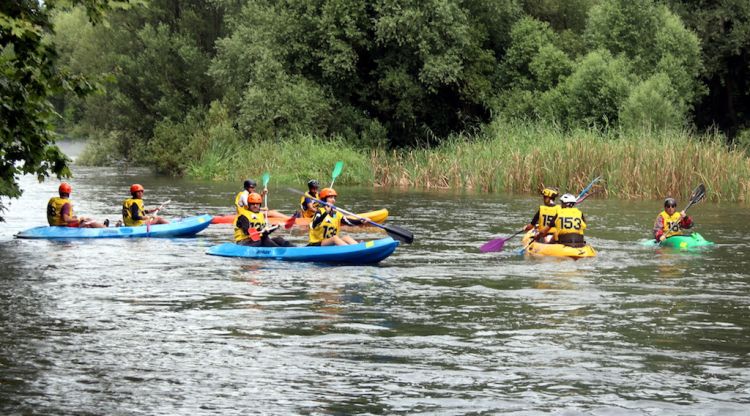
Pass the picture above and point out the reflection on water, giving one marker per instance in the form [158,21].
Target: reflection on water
[158,327]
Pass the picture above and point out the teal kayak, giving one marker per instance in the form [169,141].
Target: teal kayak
[185,227]
[363,253]
[688,241]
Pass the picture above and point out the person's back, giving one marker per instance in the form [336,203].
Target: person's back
[570,223]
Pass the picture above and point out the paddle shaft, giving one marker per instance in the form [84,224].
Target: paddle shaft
[407,235]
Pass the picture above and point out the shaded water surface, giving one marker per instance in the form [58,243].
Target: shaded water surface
[158,327]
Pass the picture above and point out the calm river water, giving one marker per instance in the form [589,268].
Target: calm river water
[156,327]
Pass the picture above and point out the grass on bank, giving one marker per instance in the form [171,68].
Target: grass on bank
[504,157]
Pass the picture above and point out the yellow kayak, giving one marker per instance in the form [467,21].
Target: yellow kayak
[537,249]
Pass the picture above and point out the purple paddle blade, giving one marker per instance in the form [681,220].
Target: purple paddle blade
[493,245]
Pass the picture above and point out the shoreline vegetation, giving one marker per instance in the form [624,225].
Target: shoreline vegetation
[502,157]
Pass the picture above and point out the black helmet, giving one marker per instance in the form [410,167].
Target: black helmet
[670,202]
[249,184]
[313,184]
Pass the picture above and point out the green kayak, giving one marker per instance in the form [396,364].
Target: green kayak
[685,242]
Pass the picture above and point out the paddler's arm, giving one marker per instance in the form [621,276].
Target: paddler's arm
[318,218]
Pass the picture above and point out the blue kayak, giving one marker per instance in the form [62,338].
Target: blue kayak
[185,227]
[362,253]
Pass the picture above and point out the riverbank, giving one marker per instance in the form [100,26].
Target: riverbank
[503,157]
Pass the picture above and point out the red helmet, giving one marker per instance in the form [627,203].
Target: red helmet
[65,188]
[326,192]
[136,187]
[254,198]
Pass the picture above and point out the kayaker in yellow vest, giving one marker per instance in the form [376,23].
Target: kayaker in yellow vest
[133,212]
[670,222]
[569,223]
[253,221]
[60,211]
[240,200]
[546,213]
[308,207]
[326,223]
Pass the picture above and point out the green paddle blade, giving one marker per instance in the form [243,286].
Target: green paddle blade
[337,169]
[266,177]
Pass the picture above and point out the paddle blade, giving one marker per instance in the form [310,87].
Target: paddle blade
[337,169]
[399,233]
[493,245]
[254,234]
[266,177]
[291,221]
[698,194]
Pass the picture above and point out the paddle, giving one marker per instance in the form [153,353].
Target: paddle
[266,177]
[586,190]
[398,233]
[153,214]
[336,171]
[697,196]
[498,243]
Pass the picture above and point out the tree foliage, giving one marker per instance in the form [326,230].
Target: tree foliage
[29,79]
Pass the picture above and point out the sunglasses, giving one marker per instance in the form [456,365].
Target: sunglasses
[671,205]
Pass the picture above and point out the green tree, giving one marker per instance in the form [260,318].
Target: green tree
[29,79]
[723,28]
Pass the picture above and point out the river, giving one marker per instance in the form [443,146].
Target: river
[156,327]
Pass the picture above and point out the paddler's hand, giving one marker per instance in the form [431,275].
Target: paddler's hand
[528,227]
[662,238]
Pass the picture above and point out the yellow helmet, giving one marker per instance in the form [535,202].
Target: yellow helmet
[550,192]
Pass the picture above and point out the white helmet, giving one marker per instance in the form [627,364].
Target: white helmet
[568,199]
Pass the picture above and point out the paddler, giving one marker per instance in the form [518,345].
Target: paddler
[670,222]
[60,211]
[308,206]
[569,223]
[325,225]
[133,212]
[546,213]
[251,222]
[240,200]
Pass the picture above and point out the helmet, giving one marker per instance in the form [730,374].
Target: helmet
[326,192]
[670,202]
[249,183]
[136,187]
[65,188]
[254,198]
[313,184]
[568,199]
[550,192]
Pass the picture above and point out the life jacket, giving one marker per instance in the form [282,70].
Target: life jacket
[127,217]
[304,200]
[328,228]
[238,198]
[547,216]
[570,221]
[256,220]
[54,211]
[667,223]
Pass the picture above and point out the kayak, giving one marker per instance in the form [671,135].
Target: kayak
[378,216]
[537,249]
[362,253]
[683,242]
[185,227]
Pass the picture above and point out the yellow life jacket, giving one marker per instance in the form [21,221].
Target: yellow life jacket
[327,228]
[54,211]
[237,199]
[547,218]
[308,213]
[570,221]
[256,220]
[668,221]
[127,218]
